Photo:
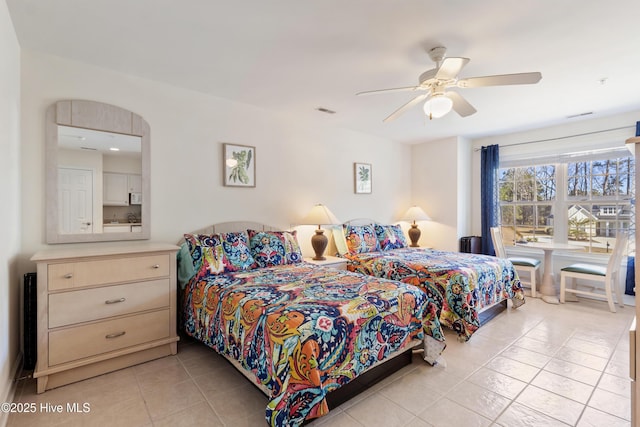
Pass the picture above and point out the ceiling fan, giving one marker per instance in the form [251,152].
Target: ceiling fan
[434,83]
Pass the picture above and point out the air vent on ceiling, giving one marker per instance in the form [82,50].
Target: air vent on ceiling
[580,115]
[325,110]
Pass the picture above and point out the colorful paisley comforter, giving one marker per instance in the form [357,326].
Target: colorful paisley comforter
[304,330]
[460,283]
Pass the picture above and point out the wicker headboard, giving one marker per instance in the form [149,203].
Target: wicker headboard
[362,221]
[231,226]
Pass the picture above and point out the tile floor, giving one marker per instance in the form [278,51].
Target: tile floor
[538,365]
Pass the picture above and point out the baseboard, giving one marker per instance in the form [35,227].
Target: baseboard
[9,389]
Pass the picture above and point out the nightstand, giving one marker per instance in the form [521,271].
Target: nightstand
[331,262]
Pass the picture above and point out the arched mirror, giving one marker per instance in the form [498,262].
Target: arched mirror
[97,169]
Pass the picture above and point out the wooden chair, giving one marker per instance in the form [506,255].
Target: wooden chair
[521,264]
[608,275]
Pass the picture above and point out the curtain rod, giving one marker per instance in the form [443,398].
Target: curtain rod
[564,137]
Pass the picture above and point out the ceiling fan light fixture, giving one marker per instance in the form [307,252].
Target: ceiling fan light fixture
[437,106]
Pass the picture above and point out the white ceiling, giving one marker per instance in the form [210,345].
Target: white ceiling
[293,56]
[75,138]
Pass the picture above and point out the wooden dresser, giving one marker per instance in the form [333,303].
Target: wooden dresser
[103,308]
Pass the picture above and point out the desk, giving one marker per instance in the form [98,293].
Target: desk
[548,288]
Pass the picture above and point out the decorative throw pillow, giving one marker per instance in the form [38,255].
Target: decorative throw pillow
[361,238]
[339,240]
[271,248]
[185,265]
[237,252]
[206,253]
[390,237]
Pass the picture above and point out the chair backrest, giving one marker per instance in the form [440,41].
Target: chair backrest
[498,245]
[619,251]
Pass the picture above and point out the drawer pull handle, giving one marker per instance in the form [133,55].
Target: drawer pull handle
[68,276]
[116,335]
[156,266]
[114,301]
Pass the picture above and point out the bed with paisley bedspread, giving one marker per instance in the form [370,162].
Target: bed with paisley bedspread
[296,330]
[462,284]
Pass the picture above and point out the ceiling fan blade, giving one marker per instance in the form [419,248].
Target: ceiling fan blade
[501,80]
[450,68]
[460,105]
[406,106]
[396,89]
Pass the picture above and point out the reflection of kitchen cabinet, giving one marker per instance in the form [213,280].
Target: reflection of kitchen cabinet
[135,183]
[116,189]
[124,228]
[121,228]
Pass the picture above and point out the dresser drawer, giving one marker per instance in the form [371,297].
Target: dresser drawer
[66,345]
[100,272]
[68,308]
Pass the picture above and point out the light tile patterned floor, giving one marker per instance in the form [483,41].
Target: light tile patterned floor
[538,365]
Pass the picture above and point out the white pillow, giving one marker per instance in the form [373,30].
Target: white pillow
[340,240]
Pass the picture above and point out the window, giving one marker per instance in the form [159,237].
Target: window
[599,194]
[583,202]
[527,195]
[608,210]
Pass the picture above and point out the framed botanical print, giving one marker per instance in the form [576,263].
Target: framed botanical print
[362,178]
[239,165]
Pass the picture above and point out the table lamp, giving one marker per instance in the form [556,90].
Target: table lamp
[415,214]
[320,215]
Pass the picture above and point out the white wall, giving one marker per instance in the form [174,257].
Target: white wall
[298,164]
[10,212]
[464,188]
[441,178]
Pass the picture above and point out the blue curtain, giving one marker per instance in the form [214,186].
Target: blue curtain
[630,282]
[490,159]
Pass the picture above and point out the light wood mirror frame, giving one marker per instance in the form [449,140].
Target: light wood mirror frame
[101,117]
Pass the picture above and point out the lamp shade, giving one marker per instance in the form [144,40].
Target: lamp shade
[437,106]
[414,214]
[320,214]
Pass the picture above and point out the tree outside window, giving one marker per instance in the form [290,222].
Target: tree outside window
[595,204]
[603,190]
[526,196]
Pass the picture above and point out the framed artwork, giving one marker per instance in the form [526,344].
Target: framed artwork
[239,165]
[362,178]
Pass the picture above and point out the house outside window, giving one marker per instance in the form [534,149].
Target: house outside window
[584,202]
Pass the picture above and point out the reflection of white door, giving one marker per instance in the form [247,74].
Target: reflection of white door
[75,201]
